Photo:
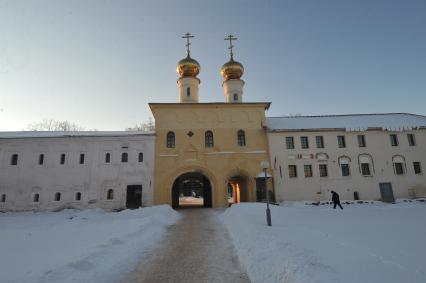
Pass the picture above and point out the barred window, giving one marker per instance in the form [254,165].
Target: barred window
[361,140]
[292,171]
[124,157]
[365,169]
[411,140]
[170,140]
[323,170]
[308,170]
[289,142]
[345,169]
[209,139]
[304,142]
[241,136]
[417,167]
[320,141]
[394,140]
[341,141]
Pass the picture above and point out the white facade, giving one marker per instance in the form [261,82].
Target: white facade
[32,173]
[379,154]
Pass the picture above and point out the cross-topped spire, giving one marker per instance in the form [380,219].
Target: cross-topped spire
[188,43]
[231,38]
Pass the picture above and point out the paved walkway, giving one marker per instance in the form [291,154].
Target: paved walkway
[197,249]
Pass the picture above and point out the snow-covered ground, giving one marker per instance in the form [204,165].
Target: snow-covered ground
[363,243]
[191,201]
[78,246]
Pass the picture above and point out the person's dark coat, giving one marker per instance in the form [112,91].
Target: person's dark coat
[335,197]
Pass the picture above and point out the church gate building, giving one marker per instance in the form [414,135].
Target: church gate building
[210,154]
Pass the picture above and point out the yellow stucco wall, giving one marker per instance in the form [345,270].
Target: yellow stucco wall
[219,163]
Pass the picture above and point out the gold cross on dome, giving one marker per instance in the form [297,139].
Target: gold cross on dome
[231,38]
[188,43]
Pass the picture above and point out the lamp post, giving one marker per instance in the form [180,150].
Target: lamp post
[265,166]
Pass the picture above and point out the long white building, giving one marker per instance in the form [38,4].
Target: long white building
[377,156]
[56,170]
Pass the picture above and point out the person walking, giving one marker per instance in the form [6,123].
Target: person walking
[336,200]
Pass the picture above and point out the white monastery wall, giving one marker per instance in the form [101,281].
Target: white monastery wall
[378,146]
[19,183]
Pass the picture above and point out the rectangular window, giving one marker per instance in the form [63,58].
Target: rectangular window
[308,170]
[341,141]
[81,158]
[394,140]
[107,157]
[411,140]
[365,169]
[289,142]
[14,159]
[41,159]
[62,160]
[188,91]
[320,141]
[345,169]
[361,140]
[140,157]
[399,168]
[292,171]
[323,170]
[417,167]
[304,142]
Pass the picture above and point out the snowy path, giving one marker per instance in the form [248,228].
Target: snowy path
[197,249]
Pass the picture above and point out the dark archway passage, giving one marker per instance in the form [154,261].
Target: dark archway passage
[191,189]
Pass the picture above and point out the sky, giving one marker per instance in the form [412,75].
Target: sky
[99,63]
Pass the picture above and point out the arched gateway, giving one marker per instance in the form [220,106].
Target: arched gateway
[191,189]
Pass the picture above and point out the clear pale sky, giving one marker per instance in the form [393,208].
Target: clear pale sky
[98,63]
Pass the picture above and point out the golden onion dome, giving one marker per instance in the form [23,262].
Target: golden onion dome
[232,70]
[188,67]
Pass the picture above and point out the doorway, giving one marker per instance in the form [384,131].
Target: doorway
[134,196]
[386,192]
[191,189]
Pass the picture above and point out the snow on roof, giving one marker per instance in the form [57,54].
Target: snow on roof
[352,122]
[62,134]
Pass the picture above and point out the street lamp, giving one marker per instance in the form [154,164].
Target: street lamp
[265,166]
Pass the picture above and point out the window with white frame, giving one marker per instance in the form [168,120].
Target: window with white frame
[398,162]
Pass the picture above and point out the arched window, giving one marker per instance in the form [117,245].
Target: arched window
[366,165]
[170,140]
[3,198]
[57,196]
[398,162]
[235,97]
[241,138]
[77,196]
[209,139]
[14,159]
[124,157]
[36,197]
[110,194]
[140,157]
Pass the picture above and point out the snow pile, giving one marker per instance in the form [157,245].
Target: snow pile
[362,243]
[78,246]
